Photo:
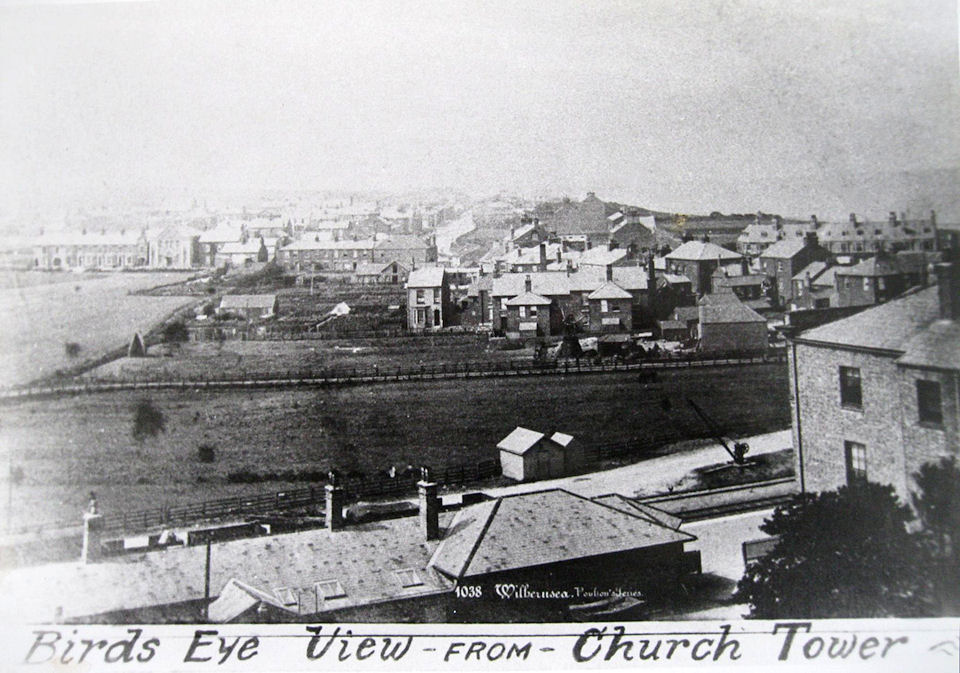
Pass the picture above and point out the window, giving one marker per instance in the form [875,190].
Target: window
[851,394]
[420,296]
[881,283]
[603,306]
[409,578]
[328,589]
[533,311]
[420,316]
[856,459]
[928,402]
[866,284]
[523,311]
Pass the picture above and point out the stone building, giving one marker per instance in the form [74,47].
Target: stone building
[874,395]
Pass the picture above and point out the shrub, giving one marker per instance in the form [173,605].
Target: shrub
[72,349]
[206,453]
[148,420]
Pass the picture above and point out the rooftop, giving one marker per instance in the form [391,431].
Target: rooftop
[248,301]
[609,291]
[528,299]
[540,528]
[427,276]
[785,249]
[701,251]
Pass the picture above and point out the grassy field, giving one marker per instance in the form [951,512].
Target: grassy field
[70,446]
[199,359]
[96,313]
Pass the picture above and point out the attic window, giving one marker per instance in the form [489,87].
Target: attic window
[285,596]
[328,589]
[409,578]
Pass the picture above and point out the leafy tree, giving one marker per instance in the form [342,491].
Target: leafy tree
[176,333]
[843,553]
[937,503]
[148,420]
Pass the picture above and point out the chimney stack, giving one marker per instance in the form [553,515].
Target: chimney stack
[933,218]
[92,533]
[948,289]
[335,497]
[811,239]
[528,284]
[814,222]
[892,219]
[853,218]
[543,256]
[609,272]
[744,267]
[429,506]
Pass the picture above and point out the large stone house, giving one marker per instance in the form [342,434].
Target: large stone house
[697,260]
[428,299]
[784,259]
[873,395]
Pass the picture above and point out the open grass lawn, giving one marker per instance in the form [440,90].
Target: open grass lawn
[70,446]
[97,313]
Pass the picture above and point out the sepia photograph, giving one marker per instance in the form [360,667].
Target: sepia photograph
[529,334]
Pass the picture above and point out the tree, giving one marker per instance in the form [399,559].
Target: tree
[176,333]
[843,553]
[148,420]
[937,502]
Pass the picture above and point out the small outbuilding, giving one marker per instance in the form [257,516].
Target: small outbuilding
[528,455]
[250,306]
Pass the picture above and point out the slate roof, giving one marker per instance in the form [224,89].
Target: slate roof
[785,249]
[363,558]
[539,528]
[528,299]
[427,276]
[687,313]
[374,268]
[400,242]
[674,278]
[938,346]
[548,283]
[520,440]
[813,268]
[637,508]
[743,281]
[701,251]
[630,277]
[601,256]
[609,291]
[729,312]
[889,326]
[880,265]
[671,324]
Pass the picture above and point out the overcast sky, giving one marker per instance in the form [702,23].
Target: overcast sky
[792,107]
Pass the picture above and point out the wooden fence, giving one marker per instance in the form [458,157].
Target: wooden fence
[377,374]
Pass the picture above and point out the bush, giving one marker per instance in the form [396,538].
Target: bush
[843,553]
[176,333]
[72,349]
[148,420]
[206,453]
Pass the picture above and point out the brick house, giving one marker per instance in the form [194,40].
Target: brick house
[784,259]
[874,394]
[530,314]
[428,299]
[697,260]
[727,325]
[611,309]
[879,278]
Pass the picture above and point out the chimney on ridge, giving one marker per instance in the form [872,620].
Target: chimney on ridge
[528,284]
[335,497]
[811,240]
[543,256]
[609,272]
[429,505]
[948,289]
[92,533]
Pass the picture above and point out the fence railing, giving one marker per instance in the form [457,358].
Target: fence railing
[363,486]
[377,374]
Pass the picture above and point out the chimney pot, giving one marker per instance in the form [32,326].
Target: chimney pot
[429,506]
[92,537]
[853,218]
[948,284]
[335,497]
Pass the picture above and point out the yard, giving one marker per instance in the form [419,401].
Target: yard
[97,314]
[70,446]
[208,359]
